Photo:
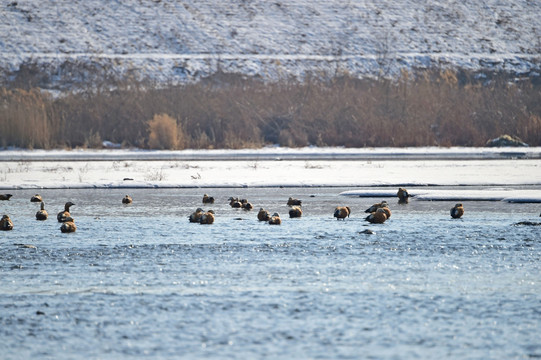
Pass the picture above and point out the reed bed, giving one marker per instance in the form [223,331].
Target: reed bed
[423,108]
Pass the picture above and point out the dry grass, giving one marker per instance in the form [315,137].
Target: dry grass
[24,118]
[426,108]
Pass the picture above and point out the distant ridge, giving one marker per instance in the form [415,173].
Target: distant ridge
[178,41]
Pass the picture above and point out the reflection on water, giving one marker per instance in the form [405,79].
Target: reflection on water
[141,281]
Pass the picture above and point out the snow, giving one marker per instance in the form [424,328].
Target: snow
[367,172]
[278,153]
[488,193]
[176,41]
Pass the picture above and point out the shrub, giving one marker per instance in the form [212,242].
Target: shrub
[163,132]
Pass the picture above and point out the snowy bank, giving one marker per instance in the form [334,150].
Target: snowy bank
[379,170]
[456,195]
[277,153]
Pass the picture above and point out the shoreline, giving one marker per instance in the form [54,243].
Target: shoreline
[277,154]
[269,168]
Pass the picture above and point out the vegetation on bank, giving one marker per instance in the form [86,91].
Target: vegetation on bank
[426,108]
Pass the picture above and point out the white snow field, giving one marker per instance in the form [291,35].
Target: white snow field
[496,173]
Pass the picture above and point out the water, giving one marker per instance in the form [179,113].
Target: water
[140,281]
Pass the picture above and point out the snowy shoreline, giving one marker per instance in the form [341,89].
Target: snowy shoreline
[277,153]
[374,172]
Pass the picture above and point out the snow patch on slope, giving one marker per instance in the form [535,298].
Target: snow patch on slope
[177,41]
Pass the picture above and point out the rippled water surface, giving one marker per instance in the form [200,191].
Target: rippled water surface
[141,281]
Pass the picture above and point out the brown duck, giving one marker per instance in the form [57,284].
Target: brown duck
[341,212]
[403,196]
[195,217]
[457,211]
[295,212]
[375,207]
[294,202]
[42,214]
[36,198]
[68,226]
[208,199]
[235,202]
[6,223]
[207,218]
[377,217]
[63,215]
[263,215]
[275,219]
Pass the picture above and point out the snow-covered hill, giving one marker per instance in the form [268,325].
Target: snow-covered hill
[179,40]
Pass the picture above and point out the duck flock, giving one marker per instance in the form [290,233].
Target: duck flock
[63,217]
[378,213]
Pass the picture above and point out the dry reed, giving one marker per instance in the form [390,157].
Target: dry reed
[424,108]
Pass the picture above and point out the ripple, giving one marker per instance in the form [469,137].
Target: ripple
[422,286]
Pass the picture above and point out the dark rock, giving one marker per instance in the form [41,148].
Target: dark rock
[368,232]
[506,141]
[528,223]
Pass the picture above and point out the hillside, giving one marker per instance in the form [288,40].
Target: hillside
[177,41]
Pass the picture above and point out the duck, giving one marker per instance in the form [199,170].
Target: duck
[234,202]
[275,219]
[68,226]
[341,212]
[195,217]
[5,196]
[403,196]
[63,215]
[207,217]
[376,206]
[295,212]
[36,198]
[246,205]
[42,214]
[457,211]
[294,202]
[6,223]
[387,211]
[208,199]
[263,215]
[127,199]
[377,217]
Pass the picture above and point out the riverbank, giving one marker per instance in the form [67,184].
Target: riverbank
[271,167]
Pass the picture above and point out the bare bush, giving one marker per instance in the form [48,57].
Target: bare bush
[154,175]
